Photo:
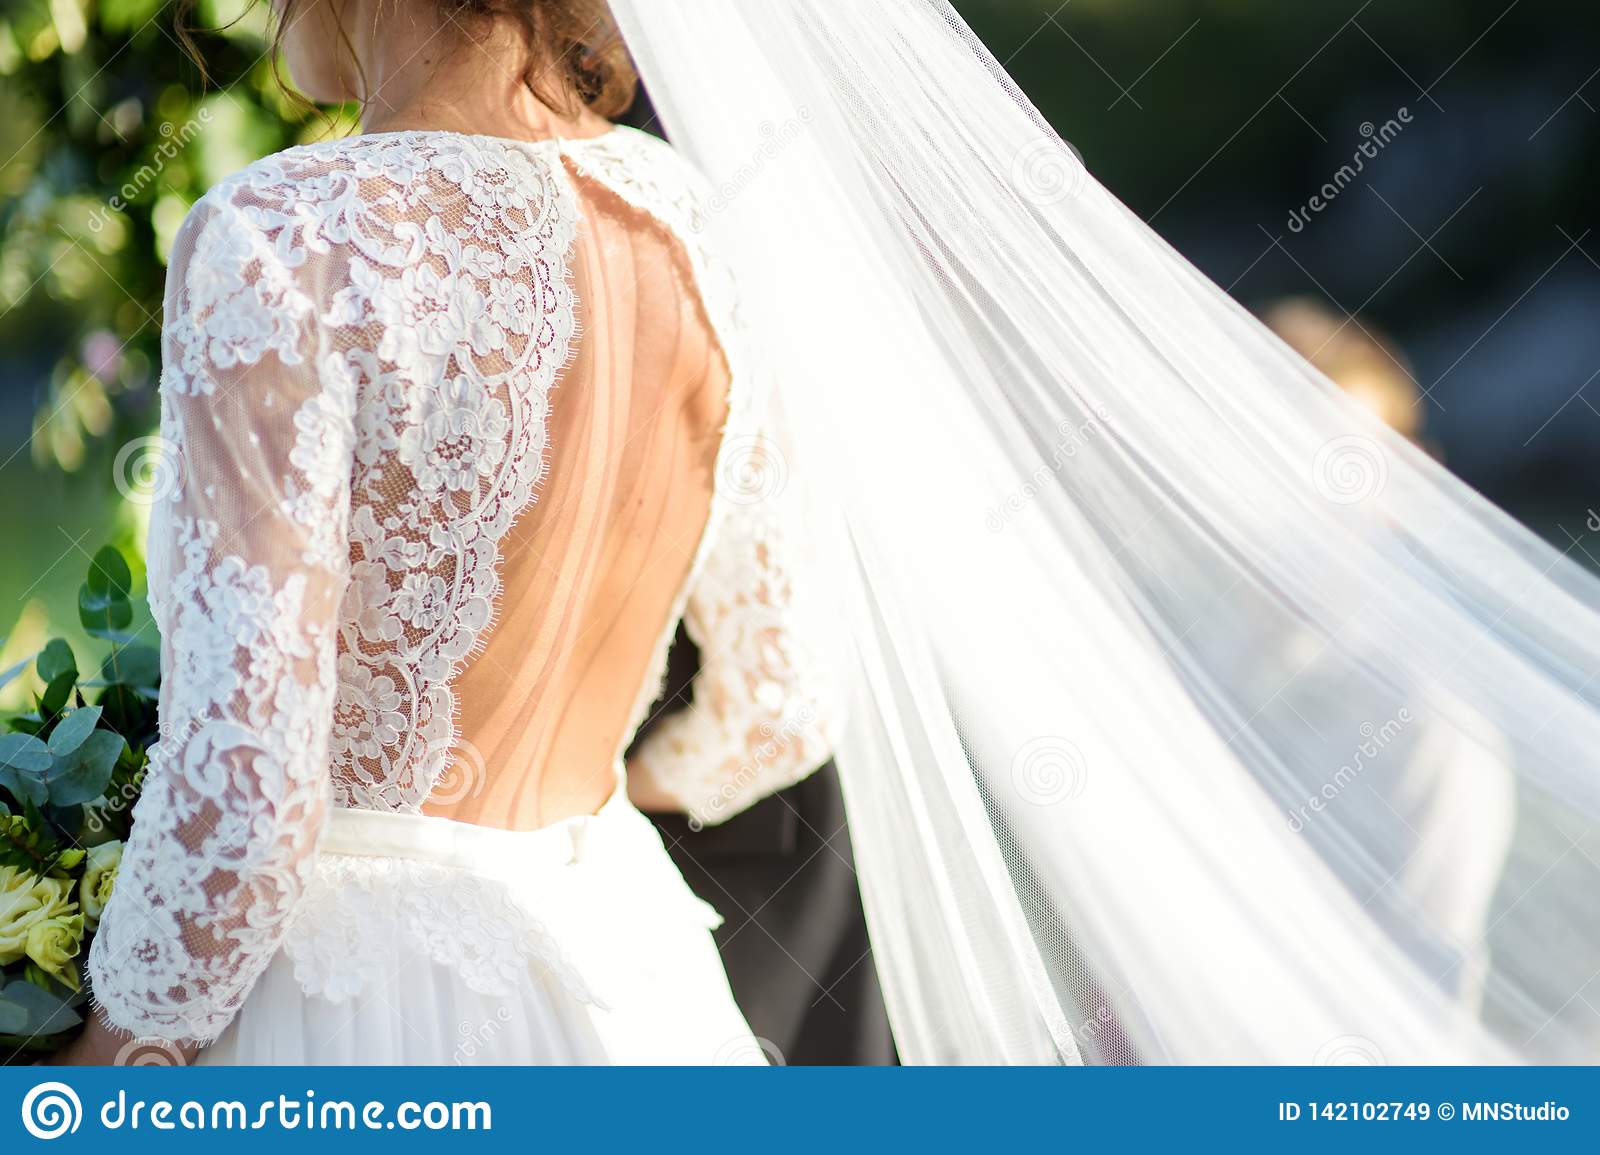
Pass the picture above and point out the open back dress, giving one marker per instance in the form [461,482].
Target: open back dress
[457,433]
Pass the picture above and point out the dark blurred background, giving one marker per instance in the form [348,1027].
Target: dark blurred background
[1453,281]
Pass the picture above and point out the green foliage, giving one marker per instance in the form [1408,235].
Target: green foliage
[70,771]
[36,1015]
[28,843]
[109,137]
[104,607]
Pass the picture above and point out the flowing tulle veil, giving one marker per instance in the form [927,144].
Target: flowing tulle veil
[1195,715]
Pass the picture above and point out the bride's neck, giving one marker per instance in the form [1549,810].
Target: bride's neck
[420,75]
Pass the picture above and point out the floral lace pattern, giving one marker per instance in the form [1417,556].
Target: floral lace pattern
[358,911]
[360,343]
[500,930]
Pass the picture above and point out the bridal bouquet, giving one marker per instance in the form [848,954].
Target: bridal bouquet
[70,771]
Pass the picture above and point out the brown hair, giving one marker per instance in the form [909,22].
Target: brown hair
[578,57]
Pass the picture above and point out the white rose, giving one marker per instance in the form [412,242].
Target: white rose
[54,944]
[99,880]
[25,901]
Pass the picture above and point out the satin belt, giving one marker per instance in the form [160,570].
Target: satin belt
[385,834]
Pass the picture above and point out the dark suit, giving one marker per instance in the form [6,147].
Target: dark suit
[794,939]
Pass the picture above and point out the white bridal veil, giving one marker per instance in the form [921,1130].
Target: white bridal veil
[1197,717]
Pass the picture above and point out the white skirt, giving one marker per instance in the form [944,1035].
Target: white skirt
[427,941]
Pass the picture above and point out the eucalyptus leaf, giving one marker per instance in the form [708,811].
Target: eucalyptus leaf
[28,786]
[83,775]
[24,752]
[136,666]
[67,818]
[57,693]
[72,730]
[13,1017]
[48,1014]
[23,761]
[56,659]
[104,615]
[108,573]
[127,711]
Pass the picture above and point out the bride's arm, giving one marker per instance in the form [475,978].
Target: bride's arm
[248,560]
[763,715]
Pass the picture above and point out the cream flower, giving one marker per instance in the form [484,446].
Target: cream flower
[26,901]
[54,944]
[99,879]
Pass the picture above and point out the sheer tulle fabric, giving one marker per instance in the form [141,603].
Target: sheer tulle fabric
[1194,715]
[449,423]
[423,941]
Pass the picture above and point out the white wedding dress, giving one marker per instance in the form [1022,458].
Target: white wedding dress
[458,432]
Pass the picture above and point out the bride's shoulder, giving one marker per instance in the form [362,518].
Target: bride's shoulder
[648,172]
[630,148]
[377,164]
[379,192]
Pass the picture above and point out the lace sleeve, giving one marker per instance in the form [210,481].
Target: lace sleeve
[763,714]
[248,558]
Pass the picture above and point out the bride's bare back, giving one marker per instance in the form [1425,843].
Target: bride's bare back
[592,572]
[450,421]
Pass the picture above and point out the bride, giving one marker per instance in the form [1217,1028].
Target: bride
[1184,713]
